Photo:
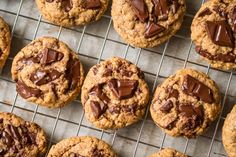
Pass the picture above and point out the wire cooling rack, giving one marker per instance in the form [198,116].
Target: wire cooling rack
[97,42]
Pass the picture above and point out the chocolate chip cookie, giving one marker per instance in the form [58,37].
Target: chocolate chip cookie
[20,138]
[214,31]
[147,23]
[229,133]
[168,152]
[47,72]
[72,12]
[5,42]
[186,103]
[114,94]
[84,146]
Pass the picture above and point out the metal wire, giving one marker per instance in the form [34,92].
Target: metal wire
[99,58]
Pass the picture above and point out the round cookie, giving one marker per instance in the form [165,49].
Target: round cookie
[214,31]
[186,103]
[81,147]
[5,42]
[229,133]
[47,72]
[20,138]
[147,23]
[114,94]
[72,12]
[168,152]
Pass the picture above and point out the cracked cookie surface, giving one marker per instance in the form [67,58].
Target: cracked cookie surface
[72,12]
[47,72]
[186,103]
[168,152]
[229,133]
[214,31]
[114,94]
[147,23]
[20,138]
[84,146]
[5,42]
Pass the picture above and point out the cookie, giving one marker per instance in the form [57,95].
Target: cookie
[147,23]
[213,32]
[47,72]
[72,12]
[114,94]
[20,138]
[5,42]
[84,146]
[186,103]
[168,152]
[229,133]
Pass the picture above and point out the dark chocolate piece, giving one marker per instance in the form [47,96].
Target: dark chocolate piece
[98,108]
[27,92]
[205,12]
[140,9]
[166,106]
[66,4]
[153,29]
[49,56]
[92,4]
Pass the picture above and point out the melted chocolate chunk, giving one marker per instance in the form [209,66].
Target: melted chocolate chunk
[98,108]
[41,77]
[123,89]
[153,29]
[114,110]
[66,4]
[220,11]
[193,116]
[193,87]
[140,9]
[107,72]
[97,91]
[233,18]
[49,56]
[166,106]
[72,73]
[172,92]
[130,108]
[205,12]
[227,58]
[27,92]
[220,33]
[92,4]
[161,7]
[30,60]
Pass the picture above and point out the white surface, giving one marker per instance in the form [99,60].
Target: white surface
[92,46]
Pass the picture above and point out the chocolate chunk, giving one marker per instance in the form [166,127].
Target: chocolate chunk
[220,33]
[166,106]
[205,12]
[1,120]
[30,60]
[220,11]
[92,4]
[126,73]
[153,29]
[193,116]
[1,52]
[193,87]
[14,132]
[97,91]
[161,7]
[233,18]
[107,72]
[41,77]
[49,56]
[172,92]
[114,110]
[141,74]
[98,108]
[72,73]
[123,89]
[97,153]
[140,9]
[66,4]
[27,92]
[130,108]
[227,58]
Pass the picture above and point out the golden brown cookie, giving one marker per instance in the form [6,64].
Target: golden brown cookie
[147,23]
[213,32]
[47,72]
[229,133]
[186,103]
[168,152]
[20,138]
[114,94]
[84,146]
[5,42]
[72,12]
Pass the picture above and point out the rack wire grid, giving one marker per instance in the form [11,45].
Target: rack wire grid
[97,42]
